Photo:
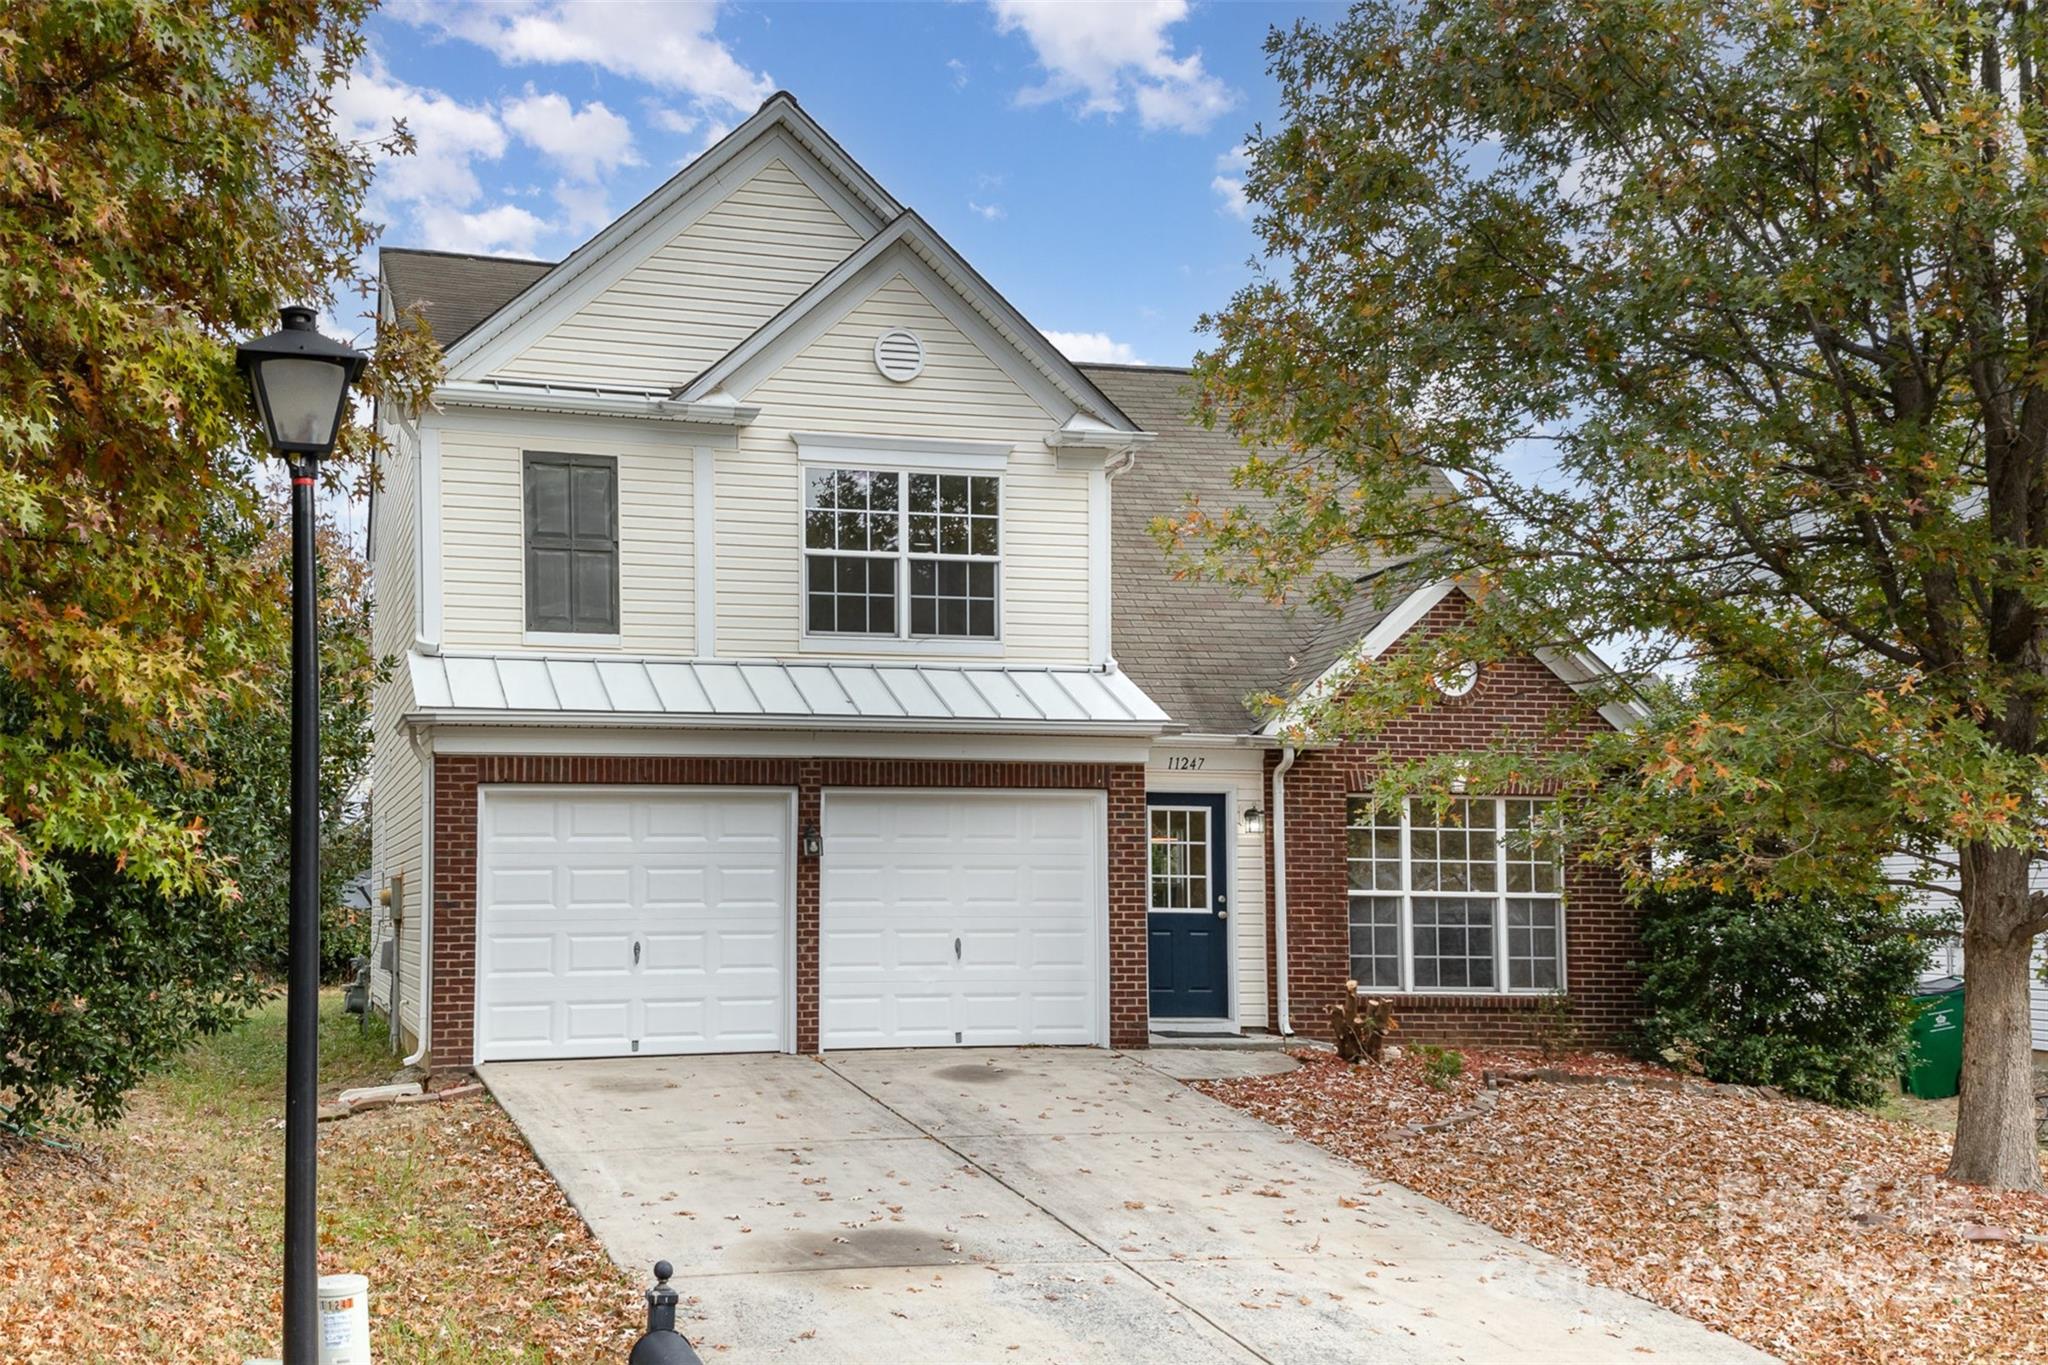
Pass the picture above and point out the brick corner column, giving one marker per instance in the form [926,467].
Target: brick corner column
[1129,981]
[451,984]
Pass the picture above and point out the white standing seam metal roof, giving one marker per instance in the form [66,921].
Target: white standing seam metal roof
[822,694]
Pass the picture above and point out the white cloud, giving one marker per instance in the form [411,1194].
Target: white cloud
[670,44]
[584,207]
[958,69]
[671,120]
[504,230]
[992,212]
[1229,182]
[449,136]
[1094,346]
[1110,58]
[586,143]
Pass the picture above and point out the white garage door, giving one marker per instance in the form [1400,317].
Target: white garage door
[961,918]
[620,923]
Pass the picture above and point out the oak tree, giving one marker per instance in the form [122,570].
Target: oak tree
[1715,331]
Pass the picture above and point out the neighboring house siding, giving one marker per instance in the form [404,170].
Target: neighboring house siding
[1519,699]
[702,293]
[483,527]
[457,777]
[395,843]
[833,386]
[1240,775]
[1945,957]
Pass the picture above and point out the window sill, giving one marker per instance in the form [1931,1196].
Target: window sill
[570,639]
[1489,1000]
[860,646]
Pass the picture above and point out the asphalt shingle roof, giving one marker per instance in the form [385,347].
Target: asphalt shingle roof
[1198,649]
[454,291]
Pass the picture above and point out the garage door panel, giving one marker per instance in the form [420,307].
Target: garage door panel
[597,1020]
[602,872]
[1013,879]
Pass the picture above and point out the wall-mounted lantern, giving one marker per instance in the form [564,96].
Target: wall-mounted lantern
[1253,819]
[813,842]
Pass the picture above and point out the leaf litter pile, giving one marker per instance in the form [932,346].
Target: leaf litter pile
[1818,1234]
[159,1239]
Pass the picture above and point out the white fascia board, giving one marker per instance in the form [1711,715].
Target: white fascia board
[779,130]
[661,720]
[557,738]
[586,402]
[915,452]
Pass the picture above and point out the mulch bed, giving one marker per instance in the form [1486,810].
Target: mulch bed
[1815,1233]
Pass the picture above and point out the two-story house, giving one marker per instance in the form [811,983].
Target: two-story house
[785,665]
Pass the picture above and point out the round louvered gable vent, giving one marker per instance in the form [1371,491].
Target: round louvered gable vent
[899,355]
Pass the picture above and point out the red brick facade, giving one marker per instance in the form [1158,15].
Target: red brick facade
[457,777]
[1522,698]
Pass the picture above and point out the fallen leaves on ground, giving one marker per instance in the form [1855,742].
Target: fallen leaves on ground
[159,1239]
[1819,1234]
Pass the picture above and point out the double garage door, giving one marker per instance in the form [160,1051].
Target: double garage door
[624,922]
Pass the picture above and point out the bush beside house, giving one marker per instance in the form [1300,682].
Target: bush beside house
[1811,994]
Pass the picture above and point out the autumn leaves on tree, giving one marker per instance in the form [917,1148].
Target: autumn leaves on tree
[1716,333]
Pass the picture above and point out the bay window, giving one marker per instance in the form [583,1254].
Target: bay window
[1464,896]
[902,553]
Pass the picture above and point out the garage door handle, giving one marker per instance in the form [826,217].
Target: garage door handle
[956,950]
[636,952]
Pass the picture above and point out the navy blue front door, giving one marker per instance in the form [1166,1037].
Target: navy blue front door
[1188,925]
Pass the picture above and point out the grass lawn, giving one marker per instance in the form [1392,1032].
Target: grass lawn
[159,1239]
[1818,1234]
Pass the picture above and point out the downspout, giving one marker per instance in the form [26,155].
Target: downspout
[422,747]
[1287,757]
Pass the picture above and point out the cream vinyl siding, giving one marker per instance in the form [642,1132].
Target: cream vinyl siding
[833,386]
[483,529]
[702,293]
[394,768]
[1240,775]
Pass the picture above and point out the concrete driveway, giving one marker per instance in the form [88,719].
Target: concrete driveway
[1036,1204]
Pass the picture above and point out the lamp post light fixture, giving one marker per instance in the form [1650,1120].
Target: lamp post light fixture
[301,381]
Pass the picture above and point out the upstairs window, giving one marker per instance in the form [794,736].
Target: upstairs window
[905,554]
[572,544]
[1463,898]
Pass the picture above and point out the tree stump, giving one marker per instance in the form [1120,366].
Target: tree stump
[1361,1026]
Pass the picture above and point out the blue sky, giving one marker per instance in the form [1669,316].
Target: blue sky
[1081,155]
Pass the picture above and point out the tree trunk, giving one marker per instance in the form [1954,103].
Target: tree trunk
[1995,1121]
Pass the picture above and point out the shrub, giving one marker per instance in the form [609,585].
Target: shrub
[1810,994]
[1440,1065]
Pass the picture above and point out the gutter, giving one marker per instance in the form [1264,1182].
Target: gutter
[667,720]
[1287,758]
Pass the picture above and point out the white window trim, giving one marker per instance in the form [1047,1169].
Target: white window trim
[572,639]
[902,642]
[884,453]
[1501,898]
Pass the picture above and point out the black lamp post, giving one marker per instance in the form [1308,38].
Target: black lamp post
[301,381]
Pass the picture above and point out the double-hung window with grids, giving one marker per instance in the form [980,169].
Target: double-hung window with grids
[902,553]
[1466,896]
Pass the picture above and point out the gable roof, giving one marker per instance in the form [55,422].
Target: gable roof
[911,238]
[454,290]
[779,113]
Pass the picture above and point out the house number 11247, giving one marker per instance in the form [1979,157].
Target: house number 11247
[1183,763]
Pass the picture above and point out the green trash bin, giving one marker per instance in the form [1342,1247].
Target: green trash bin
[1937,1067]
